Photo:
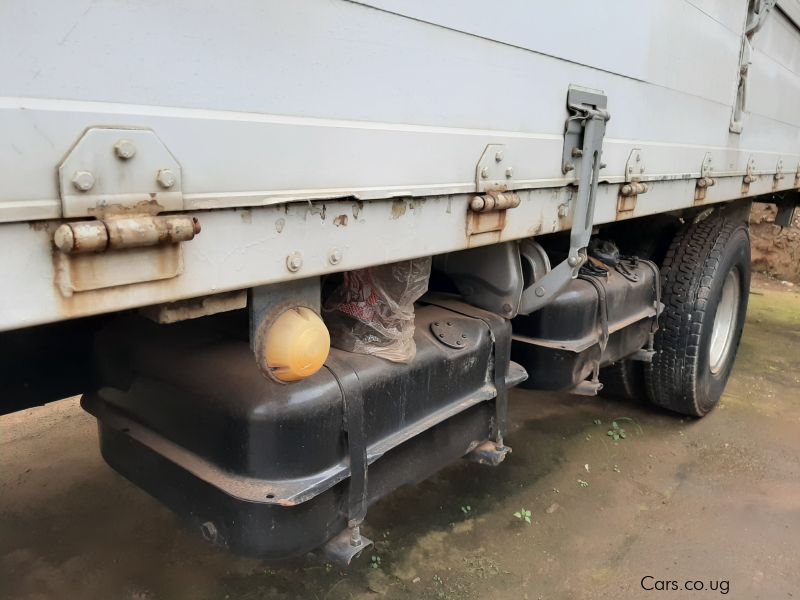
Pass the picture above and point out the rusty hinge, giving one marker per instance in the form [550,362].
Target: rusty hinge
[776,179]
[118,181]
[706,180]
[750,176]
[486,215]
[633,186]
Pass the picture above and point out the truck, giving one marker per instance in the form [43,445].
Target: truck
[294,254]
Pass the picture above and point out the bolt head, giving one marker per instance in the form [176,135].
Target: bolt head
[573,261]
[577,152]
[124,149]
[485,172]
[569,167]
[294,262]
[498,156]
[165,178]
[509,173]
[562,210]
[83,181]
[335,257]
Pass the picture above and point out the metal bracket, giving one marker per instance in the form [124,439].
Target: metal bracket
[776,180]
[583,141]
[346,545]
[111,171]
[494,172]
[633,186]
[488,453]
[268,302]
[756,15]
[706,180]
[750,176]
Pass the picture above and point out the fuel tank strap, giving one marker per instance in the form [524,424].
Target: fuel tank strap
[501,351]
[353,426]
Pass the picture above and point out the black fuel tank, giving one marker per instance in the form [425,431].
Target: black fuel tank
[560,344]
[263,468]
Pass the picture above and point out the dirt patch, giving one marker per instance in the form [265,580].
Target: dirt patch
[776,250]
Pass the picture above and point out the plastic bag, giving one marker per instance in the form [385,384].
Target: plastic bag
[372,311]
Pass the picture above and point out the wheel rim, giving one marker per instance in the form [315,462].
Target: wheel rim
[724,322]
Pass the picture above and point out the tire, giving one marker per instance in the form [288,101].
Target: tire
[623,380]
[705,280]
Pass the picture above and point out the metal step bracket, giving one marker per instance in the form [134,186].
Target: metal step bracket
[583,141]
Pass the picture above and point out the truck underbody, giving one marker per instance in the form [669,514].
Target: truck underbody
[174,252]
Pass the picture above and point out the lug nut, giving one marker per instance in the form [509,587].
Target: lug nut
[83,181]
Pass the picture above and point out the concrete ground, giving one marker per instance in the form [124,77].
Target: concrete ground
[716,501]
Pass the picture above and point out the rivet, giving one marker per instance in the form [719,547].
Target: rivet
[335,256]
[294,262]
[83,181]
[539,291]
[124,149]
[498,156]
[165,178]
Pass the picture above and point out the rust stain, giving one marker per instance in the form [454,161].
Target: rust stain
[145,207]
[358,206]
[280,224]
[399,207]
[247,216]
[340,221]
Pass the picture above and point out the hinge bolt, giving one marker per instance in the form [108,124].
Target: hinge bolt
[165,178]
[83,181]
[294,262]
[573,261]
[498,156]
[577,153]
[124,149]
[509,173]
[569,167]
[485,172]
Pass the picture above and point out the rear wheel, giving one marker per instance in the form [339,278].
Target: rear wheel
[705,281]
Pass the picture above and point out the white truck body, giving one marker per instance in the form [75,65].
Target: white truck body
[351,133]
